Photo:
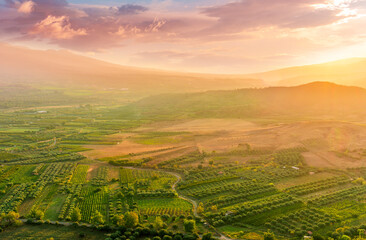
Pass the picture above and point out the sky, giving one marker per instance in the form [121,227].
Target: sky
[211,36]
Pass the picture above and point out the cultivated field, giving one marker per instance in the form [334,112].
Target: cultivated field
[241,177]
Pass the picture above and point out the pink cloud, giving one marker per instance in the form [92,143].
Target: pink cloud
[91,28]
[251,14]
[82,28]
[155,26]
[26,7]
[54,27]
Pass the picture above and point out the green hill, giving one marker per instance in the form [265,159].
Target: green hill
[316,99]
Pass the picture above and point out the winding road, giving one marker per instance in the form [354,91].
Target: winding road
[186,198]
[194,203]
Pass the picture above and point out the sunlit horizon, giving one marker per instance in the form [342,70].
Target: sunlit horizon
[224,37]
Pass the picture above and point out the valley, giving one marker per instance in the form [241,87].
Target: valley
[236,177]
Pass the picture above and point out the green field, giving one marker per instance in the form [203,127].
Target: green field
[48,168]
[44,232]
[171,207]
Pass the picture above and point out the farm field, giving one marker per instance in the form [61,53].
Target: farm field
[182,120]
[240,178]
[162,206]
[44,232]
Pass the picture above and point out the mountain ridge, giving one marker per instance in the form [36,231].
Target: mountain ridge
[350,71]
[19,64]
[308,100]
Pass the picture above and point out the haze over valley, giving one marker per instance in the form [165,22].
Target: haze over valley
[182,120]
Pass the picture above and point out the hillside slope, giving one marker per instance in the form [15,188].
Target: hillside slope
[18,64]
[318,99]
[351,72]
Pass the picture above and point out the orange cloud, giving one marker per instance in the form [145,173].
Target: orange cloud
[57,28]
[155,26]
[26,7]
[268,31]
[250,14]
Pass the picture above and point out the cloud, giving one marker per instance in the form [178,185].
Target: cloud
[251,14]
[83,28]
[131,9]
[26,7]
[42,4]
[255,24]
[54,27]
[155,26]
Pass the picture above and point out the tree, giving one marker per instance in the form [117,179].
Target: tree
[158,224]
[97,218]
[118,220]
[318,237]
[200,208]
[178,237]
[131,219]
[76,215]
[167,237]
[214,208]
[361,233]
[36,214]
[345,237]
[207,236]
[10,219]
[120,195]
[189,225]
[360,181]
[269,236]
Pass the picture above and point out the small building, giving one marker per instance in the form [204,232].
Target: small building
[228,213]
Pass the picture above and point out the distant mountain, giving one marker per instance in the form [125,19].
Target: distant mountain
[19,65]
[318,99]
[23,65]
[351,72]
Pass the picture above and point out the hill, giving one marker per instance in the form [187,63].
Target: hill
[346,72]
[318,99]
[60,67]
[23,65]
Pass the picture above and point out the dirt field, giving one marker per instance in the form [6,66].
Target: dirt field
[211,125]
[124,148]
[330,143]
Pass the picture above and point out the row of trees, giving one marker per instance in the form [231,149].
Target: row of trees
[311,187]
[9,219]
[156,231]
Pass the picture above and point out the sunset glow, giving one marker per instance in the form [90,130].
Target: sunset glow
[201,36]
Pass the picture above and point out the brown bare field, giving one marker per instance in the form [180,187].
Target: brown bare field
[203,130]
[210,125]
[166,155]
[323,139]
[333,144]
[124,148]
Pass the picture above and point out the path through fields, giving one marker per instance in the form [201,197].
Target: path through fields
[194,202]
